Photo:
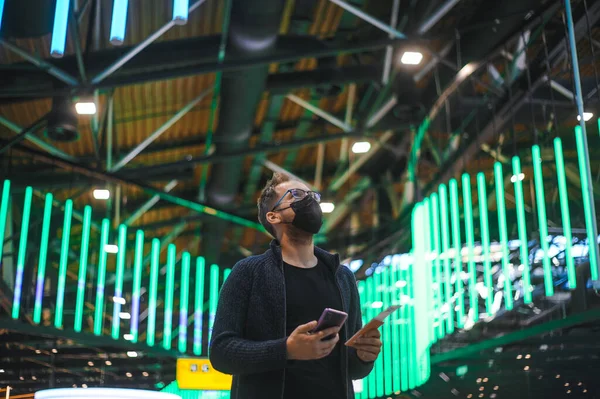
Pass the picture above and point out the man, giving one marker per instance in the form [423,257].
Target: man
[268,307]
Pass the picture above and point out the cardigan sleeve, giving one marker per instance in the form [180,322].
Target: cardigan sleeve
[229,352]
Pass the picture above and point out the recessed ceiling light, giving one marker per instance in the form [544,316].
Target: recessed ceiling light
[469,396]
[361,147]
[519,357]
[108,363]
[528,356]
[33,377]
[327,207]
[569,391]
[566,384]
[481,395]
[496,388]
[145,374]
[54,350]
[132,354]
[111,248]
[411,58]
[85,108]
[584,391]
[91,364]
[101,194]
[128,374]
[557,375]
[579,383]
[481,388]
[22,378]
[526,368]
[479,380]
[485,379]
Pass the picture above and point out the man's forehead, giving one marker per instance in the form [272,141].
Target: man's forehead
[283,187]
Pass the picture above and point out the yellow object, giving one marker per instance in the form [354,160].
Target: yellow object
[198,373]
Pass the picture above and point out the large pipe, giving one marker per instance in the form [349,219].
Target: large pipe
[253,32]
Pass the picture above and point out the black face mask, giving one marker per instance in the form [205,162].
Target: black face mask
[309,216]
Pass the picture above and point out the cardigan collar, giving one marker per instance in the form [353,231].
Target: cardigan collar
[332,261]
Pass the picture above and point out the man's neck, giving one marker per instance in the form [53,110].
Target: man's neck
[298,251]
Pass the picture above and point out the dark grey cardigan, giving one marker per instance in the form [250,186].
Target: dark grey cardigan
[249,334]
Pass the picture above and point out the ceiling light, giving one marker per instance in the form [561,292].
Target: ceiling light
[33,377]
[85,108]
[469,396]
[111,248]
[1,370]
[579,384]
[481,395]
[586,116]
[84,385]
[377,305]
[128,374]
[479,380]
[566,384]
[528,356]
[493,395]
[37,351]
[496,388]
[54,350]
[101,194]
[327,207]
[108,363]
[584,391]
[485,379]
[125,315]
[119,300]
[74,385]
[557,375]
[481,388]
[361,147]
[519,357]
[145,374]
[526,368]
[411,58]
[569,391]
[132,353]
[519,177]
[91,364]
[22,378]
[128,337]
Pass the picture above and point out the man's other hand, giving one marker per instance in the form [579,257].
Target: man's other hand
[302,345]
[368,346]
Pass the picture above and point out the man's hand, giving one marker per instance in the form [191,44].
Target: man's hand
[368,346]
[302,345]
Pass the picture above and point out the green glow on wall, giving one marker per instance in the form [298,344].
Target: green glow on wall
[470,237]
[198,304]
[437,250]
[99,311]
[386,334]
[168,319]
[83,260]
[522,229]
[445,230]
[64,258]
[4,212]
[455,213]
[41,272]
[587,206]
[499,178]
[563,195]
[183,301]
[378,289]
[485,241]
[152,295]
[22,253]
[213,298]
[542,219]
[122,245]
[137,284]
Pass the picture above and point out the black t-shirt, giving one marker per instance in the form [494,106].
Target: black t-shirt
[308,293]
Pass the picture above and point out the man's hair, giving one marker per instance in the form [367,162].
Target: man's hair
[267,200]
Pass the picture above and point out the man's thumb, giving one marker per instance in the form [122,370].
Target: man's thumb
[308,327]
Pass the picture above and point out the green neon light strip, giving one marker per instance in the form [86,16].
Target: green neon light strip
[404,337]
[454,210]
[387,334]
[429,270]
[62,272]
[99,311]
[137,284]
[370,288]
[83,259]
[470,233]
[213,298]
[445,227]
[587,206]
[379,362]
[542,219]
[22,253]
[168,323]
[485,241]
[4,213]
[198,304]
[362,296]
[522,228]
[435,223]
[499,178]
[422,296]
[412,369]
[122,245]
[564,206]
[226,274]
[394,322]
[183,302]
[151,325]
[41,273]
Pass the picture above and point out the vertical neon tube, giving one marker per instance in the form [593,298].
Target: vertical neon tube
[180,11]
[370,286]
[470,237]
[401,314]
[428,275]
[183,302]
[83,259]
[485,241]
[119,22]
[499,178]
[213,298]
[226,274]
[122,248]
[564,206]
[388,367]
[395,297]
[41,272]
[587,206]
[198,304]
[99,311]
[62,271]
[435,224]
[168,325]
[378,289]
[454,210]
[1,12]
[363,305]
[542,219]
[22,253]
[137,284]
[4,204]
[154,260]
[522,228]
[445,230]
[59,31]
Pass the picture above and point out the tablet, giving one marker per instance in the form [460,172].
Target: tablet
[373,324]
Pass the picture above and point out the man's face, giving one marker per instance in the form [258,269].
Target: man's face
[282,212]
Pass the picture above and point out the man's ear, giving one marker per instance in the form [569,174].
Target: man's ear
[273,217]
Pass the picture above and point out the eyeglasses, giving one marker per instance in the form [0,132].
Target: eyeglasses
[298,194]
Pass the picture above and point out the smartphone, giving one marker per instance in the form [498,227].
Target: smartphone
[330,318]
[373,324]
